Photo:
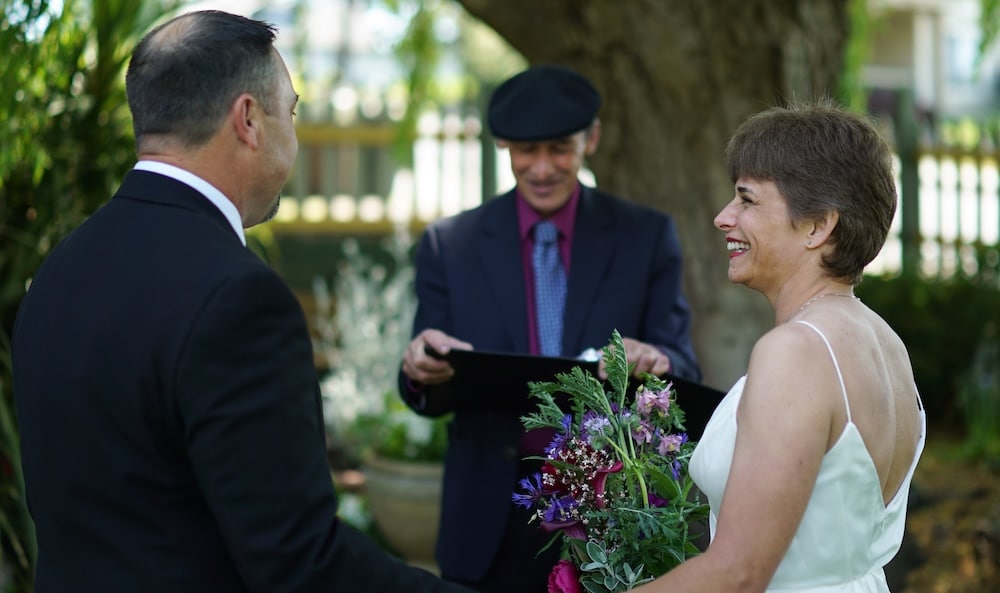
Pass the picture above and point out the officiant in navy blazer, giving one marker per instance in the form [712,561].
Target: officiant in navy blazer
[608,264]
[169,410]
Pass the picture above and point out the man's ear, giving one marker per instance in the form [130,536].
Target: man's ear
[593,138]
[244,117]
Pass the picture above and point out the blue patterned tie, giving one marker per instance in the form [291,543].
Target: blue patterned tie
[550,288]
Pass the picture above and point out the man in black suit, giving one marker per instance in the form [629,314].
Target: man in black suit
[170,418]
[476,288]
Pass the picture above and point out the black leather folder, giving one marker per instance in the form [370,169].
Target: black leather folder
[503,378]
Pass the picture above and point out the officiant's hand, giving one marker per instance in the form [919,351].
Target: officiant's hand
[646,357]
[424,359]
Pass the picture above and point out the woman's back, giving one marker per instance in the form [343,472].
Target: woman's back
[848,531]
[881,395]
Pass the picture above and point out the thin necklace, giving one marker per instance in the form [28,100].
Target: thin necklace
[826,294]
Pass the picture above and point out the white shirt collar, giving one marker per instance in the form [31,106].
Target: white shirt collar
[203,187]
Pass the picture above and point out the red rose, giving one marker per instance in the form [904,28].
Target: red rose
[564,578]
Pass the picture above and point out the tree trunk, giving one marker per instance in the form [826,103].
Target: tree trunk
[678,77]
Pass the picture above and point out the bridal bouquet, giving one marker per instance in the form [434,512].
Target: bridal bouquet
[614,488]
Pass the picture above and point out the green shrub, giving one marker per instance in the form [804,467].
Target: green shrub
[396,432]
[942,322]
[979,400]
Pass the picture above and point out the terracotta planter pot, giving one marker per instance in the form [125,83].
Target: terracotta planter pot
[405,501]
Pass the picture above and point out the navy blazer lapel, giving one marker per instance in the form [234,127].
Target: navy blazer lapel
[595,240]
[146,186]
[500,252]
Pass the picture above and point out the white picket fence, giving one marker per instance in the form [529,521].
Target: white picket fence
[346,181]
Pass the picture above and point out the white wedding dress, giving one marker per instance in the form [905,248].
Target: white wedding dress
[847,533]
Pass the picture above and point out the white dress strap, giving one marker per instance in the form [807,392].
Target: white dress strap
[836,365]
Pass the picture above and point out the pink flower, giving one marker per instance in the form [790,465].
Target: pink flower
[564,578]
[647,401]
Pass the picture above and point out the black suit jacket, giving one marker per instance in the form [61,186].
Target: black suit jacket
[170,420]
[625,274]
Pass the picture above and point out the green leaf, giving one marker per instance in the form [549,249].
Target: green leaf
[597,552]
[616,365]
[629,573]
[665,485]
[675,554]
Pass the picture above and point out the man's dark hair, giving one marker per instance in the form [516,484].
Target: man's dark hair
[185,74]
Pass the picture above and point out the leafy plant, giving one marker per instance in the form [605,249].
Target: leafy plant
[941,321]
[397,433]
[979,400]
[364,326]
[66,142]
[614,486]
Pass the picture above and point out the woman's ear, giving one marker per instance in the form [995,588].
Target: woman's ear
[820,230]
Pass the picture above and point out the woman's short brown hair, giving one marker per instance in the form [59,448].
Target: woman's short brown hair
[823,158]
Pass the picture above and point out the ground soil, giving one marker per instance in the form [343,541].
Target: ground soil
[952,543]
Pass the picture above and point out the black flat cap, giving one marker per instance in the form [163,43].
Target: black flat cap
[544,102]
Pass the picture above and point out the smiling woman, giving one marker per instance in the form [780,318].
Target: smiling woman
[828,397]
[761,237]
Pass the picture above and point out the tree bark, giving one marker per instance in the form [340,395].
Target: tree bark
[677,78]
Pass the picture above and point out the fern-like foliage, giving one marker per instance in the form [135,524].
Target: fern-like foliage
[614,484]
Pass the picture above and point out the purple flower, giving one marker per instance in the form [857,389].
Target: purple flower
[671,443]
[643,433]
[656,500]
[675,469]
[561,511]
[534,491]
[562,516]
[593,426]
[560,438]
